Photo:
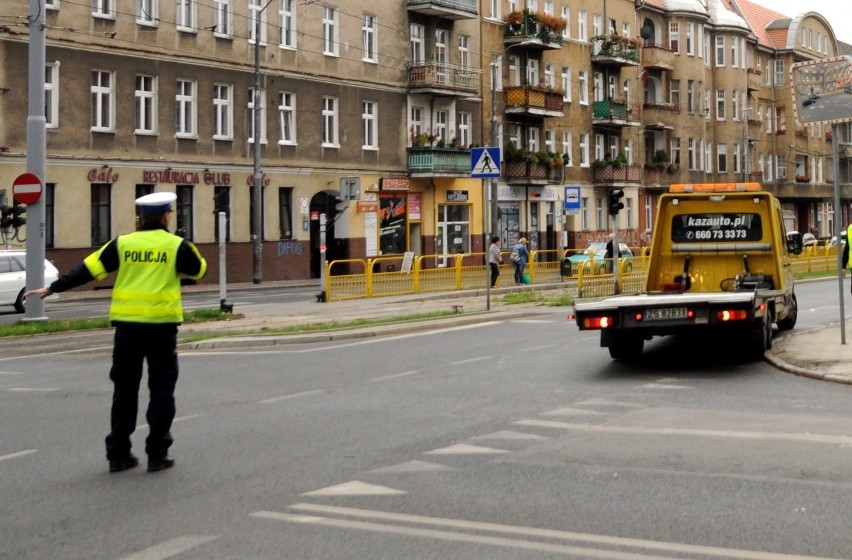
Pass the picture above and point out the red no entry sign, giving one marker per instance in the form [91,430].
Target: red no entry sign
[26,188]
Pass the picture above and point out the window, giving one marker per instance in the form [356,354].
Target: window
[532,71]
[453,229]
[600,148]
[464,120]
[439,55]
[690,96]
[369,117]
[257,21]
[737,156]
[549,76]
[185,109]
[415,122]
[781,166]
[287,24]
[706,55]
[51,95]
[779,73]
[674,37]
[285,213]
[722,158]
[251,115]
[649,213]
[582,29]
[465,57]
[147,12]
[735,52]
[628,210]
[330,31]
[674,94]
[568,149]
[690,39]
[416,34]
[369,39]
[549,141]
[183,212]
[49,214]
[103,101]
[566,15]
[287,116]
[674,151]
[494,9]
[223,18]
[514,70]
[441,118]
[691,154]
[584,149]
[100,210]
[584,87]
[146,104]
[185,18]
[596,25]
[708,160]
[329,122]
[720,51]
[735,105]
[720,105]
[223,112]
[600,221]
[566,84]
[103,8]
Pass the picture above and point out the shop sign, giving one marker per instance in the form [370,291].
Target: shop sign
[217,178]
[511,193]
[394,183]
[102,175]
[264,180]
[368,206]
[170,176]
[457,196]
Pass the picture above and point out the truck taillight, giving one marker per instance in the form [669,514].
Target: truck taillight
[603,322]
[726,315]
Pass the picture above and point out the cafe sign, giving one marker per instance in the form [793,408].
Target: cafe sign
[457,196]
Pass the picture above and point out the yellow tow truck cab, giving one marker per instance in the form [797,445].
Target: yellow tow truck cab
[719,259]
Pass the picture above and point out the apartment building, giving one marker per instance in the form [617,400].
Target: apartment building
[367,114]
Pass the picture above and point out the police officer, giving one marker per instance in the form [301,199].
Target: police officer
[146,311]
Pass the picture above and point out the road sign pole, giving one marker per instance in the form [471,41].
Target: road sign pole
[36,159]
[838,227]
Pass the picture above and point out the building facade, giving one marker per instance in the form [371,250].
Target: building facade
[366,116]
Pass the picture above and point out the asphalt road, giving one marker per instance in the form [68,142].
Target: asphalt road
[505,440]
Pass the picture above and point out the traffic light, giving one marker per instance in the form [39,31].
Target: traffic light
[18,218]
[6,220]
[614,203]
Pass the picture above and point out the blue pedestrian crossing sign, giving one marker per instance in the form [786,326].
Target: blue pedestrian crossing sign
[485,162]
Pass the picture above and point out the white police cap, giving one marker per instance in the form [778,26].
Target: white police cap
[156,202]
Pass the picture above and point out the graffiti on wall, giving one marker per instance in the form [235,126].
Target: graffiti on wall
[288,248]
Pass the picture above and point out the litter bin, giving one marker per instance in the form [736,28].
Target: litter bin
[565,267]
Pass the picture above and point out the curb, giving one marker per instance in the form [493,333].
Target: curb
[804,372]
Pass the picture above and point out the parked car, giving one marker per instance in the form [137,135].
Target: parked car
[595,253]
[808,239]
[13,278]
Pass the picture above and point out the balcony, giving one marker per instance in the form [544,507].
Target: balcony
[615,113]
[657,57]
[526,173]
[610,174]
[534,29]
[445,9]
[443,79]
[754,79]
[429,161]
[613,50]
[534,101]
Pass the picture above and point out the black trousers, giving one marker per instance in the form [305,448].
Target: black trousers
[495,272]
[135,343]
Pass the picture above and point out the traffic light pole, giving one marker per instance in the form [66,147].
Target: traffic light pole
[36,159]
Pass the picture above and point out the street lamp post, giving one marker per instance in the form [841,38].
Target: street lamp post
[746,111]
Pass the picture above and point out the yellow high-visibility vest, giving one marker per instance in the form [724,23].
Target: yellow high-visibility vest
[147,287]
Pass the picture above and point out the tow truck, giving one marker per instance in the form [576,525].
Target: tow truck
[720,259]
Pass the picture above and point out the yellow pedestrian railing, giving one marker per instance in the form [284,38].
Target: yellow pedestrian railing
[390,276]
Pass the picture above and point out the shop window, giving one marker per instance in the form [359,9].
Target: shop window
[453,229]
[183,212]
[392,223]
[100,209]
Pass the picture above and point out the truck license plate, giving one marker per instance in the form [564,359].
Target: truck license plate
[665,313]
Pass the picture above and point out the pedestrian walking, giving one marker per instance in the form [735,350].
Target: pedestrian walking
[145,310]
[520,258]
[846,248]
[494,259]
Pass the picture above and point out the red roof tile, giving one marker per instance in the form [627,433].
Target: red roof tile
[759,17]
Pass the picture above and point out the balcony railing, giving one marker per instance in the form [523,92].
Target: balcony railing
[521,171]
[657,57]
[534,100]
[612,174]
[427,160]
[611,111]
[615,50]
[447,9]
[532,26]
[446,77]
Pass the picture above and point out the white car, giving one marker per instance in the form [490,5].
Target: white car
[13,278]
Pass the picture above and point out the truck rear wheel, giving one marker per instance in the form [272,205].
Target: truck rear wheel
[626,347]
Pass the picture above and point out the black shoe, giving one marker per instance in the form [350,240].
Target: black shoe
[118,465]
[160,464]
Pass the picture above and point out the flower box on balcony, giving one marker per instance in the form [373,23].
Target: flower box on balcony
[803,179]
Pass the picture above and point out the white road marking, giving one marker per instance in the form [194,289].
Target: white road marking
[664,386]
[536,348]
[413,466]
[604,402]
[291,396]
[527,532]
[11,372]
[33,389]
[692,432]
[465,449]
[58,353]
[470,360]
[177,419]
[394,376]
[18,454]
[508,434]
[568,411]
[355,488]
[169,548]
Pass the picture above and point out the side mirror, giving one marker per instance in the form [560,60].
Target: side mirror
[795,243]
